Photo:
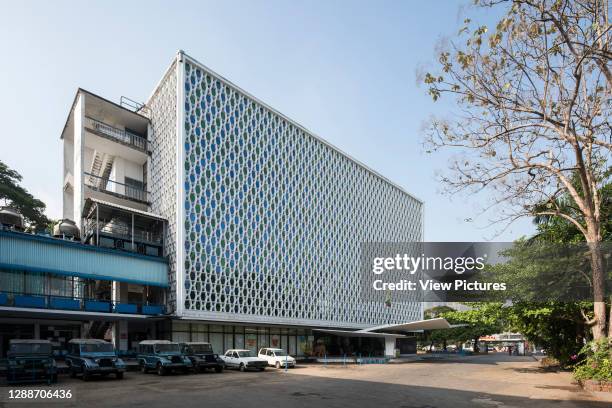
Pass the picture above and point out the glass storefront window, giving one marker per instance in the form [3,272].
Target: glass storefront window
[251,342]
[302,345]
[239,341]
[284,342]
[262,340]
[199,336]
[229,342]
[180,326]
[180,337]
[216,340]
[197,327]
[292,346]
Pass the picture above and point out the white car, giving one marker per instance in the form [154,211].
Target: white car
[276,357]
[243,360]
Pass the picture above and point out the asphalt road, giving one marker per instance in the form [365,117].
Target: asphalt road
[496,381]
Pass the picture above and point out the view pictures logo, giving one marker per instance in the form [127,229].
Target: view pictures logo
[412,264]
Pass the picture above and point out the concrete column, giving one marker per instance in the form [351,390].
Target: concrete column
[119,293]
[120,335]
[390,347]
[79,142]
[37,331]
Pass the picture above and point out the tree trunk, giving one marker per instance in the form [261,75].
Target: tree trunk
[599,285]
[610,322]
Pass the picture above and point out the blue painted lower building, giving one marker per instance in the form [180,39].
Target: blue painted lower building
[58,289]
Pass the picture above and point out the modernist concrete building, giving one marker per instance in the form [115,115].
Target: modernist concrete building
[260,222]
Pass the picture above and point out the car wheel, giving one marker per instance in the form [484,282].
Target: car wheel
[54,378]
[242,367]
[72,373]
[86,375]
[160,369]
[262,369]
[119,376]
[277,365]
[218,369]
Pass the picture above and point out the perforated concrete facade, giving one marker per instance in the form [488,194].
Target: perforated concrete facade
[272,217]
[162,110]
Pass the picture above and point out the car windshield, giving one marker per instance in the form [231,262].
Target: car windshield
[31,348]
[166,348]
[97,348]
[279,353]
[245,353]
[200,348]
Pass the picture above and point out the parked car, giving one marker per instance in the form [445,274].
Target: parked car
[90,357]
[163,356]
[202,356]
[276,357]
[243,360]
[30,361]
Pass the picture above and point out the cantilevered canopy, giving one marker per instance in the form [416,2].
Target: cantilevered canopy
[348,333]
[430,324]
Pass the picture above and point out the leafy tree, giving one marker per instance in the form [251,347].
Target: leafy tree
[559,230]
[14,195]
[557,326]
[481,319]
[533,118]
[438,336]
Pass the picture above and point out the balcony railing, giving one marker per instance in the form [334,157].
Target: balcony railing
[123,231]
[120,135]
[73,303]
[115,188]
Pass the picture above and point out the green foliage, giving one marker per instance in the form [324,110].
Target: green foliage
[482,319]
[556,326]
[18,197]
[597,364]
[560,230]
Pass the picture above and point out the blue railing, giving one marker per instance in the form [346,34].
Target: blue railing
[78,304]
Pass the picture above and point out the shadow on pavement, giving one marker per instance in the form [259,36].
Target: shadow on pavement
[272,390]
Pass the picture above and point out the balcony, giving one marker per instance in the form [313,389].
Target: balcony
[119,135]
[114,188]
[76,304]
[111,226]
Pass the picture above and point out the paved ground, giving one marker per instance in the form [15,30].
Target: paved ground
[495,381]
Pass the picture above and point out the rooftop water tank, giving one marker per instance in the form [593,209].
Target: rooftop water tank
[66,229]
[11,218]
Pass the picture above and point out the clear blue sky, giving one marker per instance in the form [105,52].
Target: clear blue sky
[344,69]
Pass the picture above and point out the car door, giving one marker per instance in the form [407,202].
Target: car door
[229,359]
[237,359]
[264,354]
